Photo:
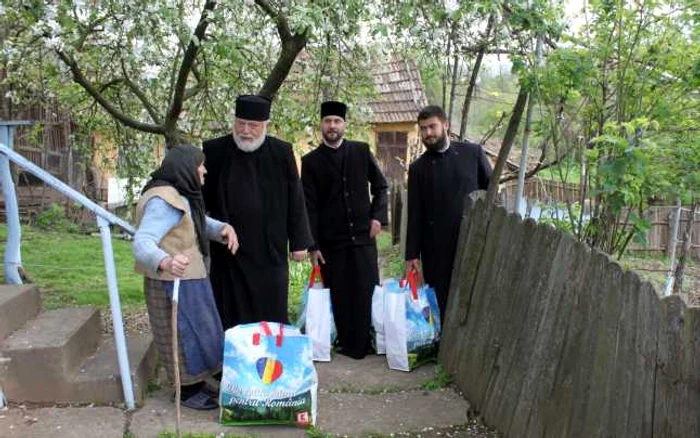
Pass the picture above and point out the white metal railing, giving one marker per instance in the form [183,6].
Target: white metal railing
[104,219]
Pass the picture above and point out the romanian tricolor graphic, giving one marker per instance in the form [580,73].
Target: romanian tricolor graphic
[428,315]
[269,370]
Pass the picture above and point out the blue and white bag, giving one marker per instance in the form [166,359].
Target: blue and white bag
[316,316]
[268,376]
[411,323]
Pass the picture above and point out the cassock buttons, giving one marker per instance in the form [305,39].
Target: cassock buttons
[347,194]
[351,224]
[352,238]
[345,179]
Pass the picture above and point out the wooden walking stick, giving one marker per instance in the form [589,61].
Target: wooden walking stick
[176,356]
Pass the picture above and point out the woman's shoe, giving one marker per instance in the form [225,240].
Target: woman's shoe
[200,401]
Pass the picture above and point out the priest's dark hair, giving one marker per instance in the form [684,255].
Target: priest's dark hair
[432,111]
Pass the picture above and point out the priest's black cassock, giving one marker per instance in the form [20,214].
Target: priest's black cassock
[337,186]
[437,185]
[259,193]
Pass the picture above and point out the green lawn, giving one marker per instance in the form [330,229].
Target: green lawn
[69,268]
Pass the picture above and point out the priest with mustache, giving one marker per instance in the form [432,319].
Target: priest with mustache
[438,182]
[346,199]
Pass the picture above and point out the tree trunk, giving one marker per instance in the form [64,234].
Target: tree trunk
[453,86]
[508,139]
[472,80]
[526,137]
[687,243]
[290,50]
[446,71]
[673,243]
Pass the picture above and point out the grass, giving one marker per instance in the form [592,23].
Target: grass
[69,268]
[391,264]
[441,379]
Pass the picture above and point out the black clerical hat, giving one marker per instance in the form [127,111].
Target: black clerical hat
[252,107]
[333,108]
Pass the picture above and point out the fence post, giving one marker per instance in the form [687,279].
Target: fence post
[117,323]
[13,255]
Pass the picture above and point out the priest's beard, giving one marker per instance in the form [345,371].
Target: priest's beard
[436,143]
[249,145]
[333,138]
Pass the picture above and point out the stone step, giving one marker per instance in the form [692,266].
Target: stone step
[98,379]
[46,350]
[18,304]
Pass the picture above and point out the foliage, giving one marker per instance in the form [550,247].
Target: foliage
[614,99]
[54,218]
[441,379]
[143,73]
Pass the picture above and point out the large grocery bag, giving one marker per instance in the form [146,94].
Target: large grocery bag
[268,376]
[316,316]
[411,323]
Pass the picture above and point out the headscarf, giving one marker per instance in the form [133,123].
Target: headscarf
[179,170]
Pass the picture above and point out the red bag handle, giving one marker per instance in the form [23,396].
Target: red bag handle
[315,272]
[266,330]
[412,279]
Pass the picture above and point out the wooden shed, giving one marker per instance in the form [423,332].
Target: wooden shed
[394,112]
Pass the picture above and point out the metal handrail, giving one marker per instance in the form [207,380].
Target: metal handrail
[104,219]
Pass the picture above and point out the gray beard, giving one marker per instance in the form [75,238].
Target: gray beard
[249,146]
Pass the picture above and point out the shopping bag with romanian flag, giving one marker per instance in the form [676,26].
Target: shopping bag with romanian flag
[411,323]
[268,376]
[316,316]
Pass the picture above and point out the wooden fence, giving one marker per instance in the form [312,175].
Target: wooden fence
[548,338]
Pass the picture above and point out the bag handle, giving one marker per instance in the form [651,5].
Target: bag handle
[315,273]
[412,279]
[266,330]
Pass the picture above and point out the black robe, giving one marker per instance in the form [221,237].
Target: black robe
[437,185]
[337,186]
[259,193]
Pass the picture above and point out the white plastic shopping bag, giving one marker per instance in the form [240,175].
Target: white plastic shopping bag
[268,376]
[378,315]
[411,323]
[316,316]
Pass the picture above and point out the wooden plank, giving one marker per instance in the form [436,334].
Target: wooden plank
[689,411]
[489,299]
[527,295]
[583,353]
[549,334]
[667,400]
[604,353]
[470,374]
[622,374]
[464,272]
[640,423]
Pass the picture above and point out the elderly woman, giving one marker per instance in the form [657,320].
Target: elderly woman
[172,241]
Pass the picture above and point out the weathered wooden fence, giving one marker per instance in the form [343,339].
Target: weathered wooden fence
[550,339]
[659,235]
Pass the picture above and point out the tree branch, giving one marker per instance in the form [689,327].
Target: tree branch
[185,68]
[80,79]
[278,17]
[140,95]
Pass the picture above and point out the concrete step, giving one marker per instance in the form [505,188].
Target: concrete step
[47,349]
[98,379]
[18,304]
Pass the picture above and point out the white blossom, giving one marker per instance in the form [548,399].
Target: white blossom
[249,2]
[150,71]
[451,6]
[54,43]
[2,10]
[54,27]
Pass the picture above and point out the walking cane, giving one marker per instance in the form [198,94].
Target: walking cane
[176,356]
